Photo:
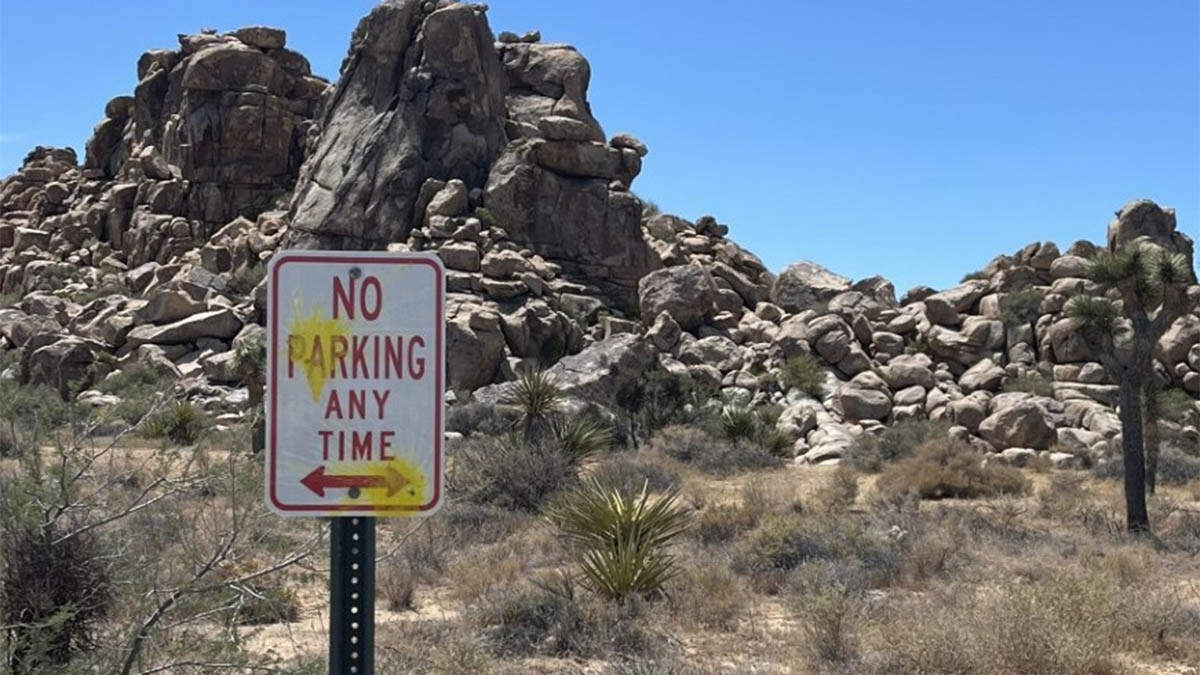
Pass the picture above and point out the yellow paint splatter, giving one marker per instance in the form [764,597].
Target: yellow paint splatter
[402,484]
[310,345]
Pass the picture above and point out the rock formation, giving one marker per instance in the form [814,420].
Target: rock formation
[439,138]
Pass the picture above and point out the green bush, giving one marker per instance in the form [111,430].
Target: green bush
[941,468]
[244,279]
[1020,308]
[138,386]
[709,454]
[482,418]
[275,603]
[53,595]
[629,471]
[621,537]
[510,473]
[1177,406]
[1030,383]
[1175,467]
[181,423]
[803,372]
[870,453]
[548,617]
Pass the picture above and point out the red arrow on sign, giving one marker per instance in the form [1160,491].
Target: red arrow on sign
[318,481]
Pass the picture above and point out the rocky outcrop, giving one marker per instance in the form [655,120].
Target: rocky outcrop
[420,96]
[486,153]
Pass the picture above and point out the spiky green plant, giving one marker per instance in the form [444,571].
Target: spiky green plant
[739,423]
[181,422]
[803,372]
[1151,285]
[622,538]
[580,437]
[537,398]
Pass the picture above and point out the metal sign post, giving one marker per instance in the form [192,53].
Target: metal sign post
[352,596]
[355,376]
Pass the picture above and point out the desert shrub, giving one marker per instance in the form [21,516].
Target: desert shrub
[629,471]
[54,593]
[1062,497]
[510,473]
[267,604]
[803,372]
[621,538]
[839,492]
[244,279]
[977,275]
[1020,308]
[709,595]
[463,523]
[180,422]
[485,216]
[941,468]
[138,386]
[721,523]
[870,453]
[709,454]
[475,417]
[1175,467]
[397,586]
[434,646]
[830,621]
[783,543]
[656,399]
[1176,405]
[548,617]
[1031,382]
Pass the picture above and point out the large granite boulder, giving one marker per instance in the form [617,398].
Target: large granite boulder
[420,95]
[686,292]
[806,285]
[1144,218]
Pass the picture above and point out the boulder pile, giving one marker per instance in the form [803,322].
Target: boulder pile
[439,137]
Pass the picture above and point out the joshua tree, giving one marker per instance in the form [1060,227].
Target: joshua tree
[1144,292]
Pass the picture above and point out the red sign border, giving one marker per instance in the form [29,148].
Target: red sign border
[428,260]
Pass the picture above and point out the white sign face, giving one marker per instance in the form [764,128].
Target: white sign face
[355,368]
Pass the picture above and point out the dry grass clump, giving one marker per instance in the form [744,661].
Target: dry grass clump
[549,617]
[1175,466]
[1066,621]
[709,595]
[870,453]
[629,471]
[269,602]
[712,455]
[941,468]
[437,646]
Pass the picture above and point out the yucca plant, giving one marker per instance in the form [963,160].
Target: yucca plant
[580,437]
[181,422]
[537,399]
[1151,285]
[622,538]
[739,423]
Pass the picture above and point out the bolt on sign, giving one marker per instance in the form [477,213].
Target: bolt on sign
[355,372]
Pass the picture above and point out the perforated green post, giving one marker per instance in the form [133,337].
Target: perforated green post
[352,596]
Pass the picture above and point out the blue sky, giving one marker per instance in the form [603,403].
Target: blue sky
[911,139]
